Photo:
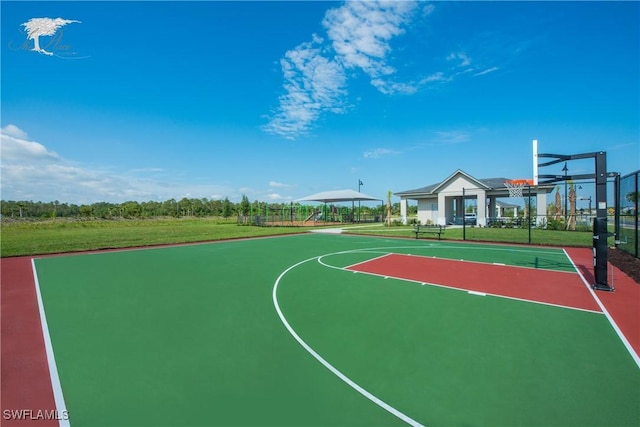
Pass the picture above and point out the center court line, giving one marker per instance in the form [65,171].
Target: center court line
[326,364]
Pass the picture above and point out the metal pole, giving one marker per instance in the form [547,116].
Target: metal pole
[565,169]
[600,232]
[616,204]
[359,185]
[529,210]
[464,222]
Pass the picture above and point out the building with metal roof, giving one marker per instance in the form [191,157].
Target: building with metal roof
[446,202]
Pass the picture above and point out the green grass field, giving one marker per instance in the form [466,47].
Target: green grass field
[190,335]
[504,235]
[42,237]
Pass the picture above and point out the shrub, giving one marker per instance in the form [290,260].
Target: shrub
[555,224]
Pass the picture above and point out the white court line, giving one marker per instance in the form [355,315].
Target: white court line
[326,364]
[606,313]
[480,294]
[497,264]
[372,250]
[362,262]
[61,408]
[437,285]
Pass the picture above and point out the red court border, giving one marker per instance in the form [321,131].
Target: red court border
[26,384]
[623,304]
[25,380]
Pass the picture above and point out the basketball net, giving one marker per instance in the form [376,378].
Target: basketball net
[515,186]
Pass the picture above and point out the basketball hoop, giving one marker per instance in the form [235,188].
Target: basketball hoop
[515,186]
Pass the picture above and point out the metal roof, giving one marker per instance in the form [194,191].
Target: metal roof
[338,196]
[488,183]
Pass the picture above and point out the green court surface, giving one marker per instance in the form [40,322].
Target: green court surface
[191,336]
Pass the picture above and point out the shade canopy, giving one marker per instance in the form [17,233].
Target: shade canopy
[338,196]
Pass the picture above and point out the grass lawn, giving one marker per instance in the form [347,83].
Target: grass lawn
[510,235]
[59,236]
[42,237]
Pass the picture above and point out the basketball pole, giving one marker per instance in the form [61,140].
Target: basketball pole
[535,162]
[529,210]
[600,231]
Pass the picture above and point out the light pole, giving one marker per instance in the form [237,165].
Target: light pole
[360,184]
[565,169]
[585,198]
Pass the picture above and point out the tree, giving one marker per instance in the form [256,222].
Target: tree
[226,208]
[130,209]
[558,202]
[632,197]
[170,207]
[216,207]
[245,206]
[104,210]
[197,208]
[184,206]
[571,223]
[86,211]
[389,193]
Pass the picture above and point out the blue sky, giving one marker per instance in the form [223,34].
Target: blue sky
[279,100]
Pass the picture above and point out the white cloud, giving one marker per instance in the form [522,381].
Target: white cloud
[313,84]
[30,171]
[361,33]
[43,181]
[315,78]
[359,36]
[276,196]
[451,137]
[13,130]
[392,88]
[15,147]
[461,57]
[435,77]
[487,71]
[378,153]
[276,184]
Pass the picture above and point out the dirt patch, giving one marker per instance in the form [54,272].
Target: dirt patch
[625,262]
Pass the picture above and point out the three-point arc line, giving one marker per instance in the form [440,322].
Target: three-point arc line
[326,364]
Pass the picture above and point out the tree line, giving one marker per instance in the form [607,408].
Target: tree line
[184,207]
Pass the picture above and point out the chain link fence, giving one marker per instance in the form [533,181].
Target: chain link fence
[628,212]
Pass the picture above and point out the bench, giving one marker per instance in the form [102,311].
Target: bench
[428,229]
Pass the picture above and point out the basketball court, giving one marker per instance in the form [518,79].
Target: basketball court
[327,329]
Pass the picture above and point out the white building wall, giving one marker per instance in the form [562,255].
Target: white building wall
[439,208]
[425,210]
[541,207]
[403,210]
